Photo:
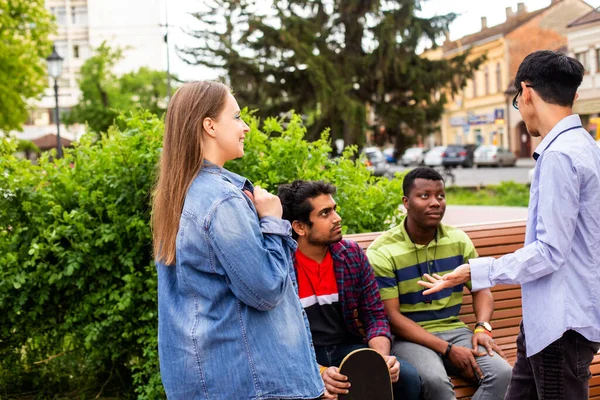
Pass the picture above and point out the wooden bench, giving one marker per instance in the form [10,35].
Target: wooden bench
[495,240]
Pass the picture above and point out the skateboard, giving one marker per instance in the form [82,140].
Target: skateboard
[368,375]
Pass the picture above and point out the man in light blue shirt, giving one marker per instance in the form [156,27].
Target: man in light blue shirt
[559,267]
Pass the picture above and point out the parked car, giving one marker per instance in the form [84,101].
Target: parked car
[390,155]
[375,161]
[494,156]
[433,158]
[412,156]
[458,154]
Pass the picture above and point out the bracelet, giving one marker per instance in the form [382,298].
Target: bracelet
[447,353]
[321,370]
[482,330]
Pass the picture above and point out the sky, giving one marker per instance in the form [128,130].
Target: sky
[468,21]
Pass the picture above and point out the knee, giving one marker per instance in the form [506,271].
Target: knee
[409,374]
[409,382]
[437,386]
[500,374]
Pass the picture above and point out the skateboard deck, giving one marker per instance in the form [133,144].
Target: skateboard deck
[368,375]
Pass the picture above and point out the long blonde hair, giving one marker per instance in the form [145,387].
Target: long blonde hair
[181,159]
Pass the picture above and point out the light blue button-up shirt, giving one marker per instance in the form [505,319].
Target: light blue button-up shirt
[559,267]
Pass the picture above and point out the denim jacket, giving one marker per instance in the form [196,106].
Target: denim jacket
[230,324]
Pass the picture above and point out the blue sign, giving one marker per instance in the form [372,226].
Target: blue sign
[499,113]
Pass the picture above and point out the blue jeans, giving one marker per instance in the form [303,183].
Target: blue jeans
[408,386]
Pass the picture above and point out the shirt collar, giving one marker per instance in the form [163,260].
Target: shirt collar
[306,261]
[570,121]
[442,232]
[238,181]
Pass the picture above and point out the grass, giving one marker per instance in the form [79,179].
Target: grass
[505,194]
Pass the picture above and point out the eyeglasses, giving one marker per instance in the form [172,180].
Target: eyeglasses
[516,98]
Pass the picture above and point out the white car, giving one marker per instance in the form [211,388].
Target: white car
[412,156]
[433,158]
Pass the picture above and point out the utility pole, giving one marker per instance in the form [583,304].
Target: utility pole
[166,39]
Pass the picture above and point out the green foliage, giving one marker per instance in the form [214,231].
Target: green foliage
[27,146]
[24,45]
[329,59]
[504,194]
[77,279]
[104,95]
[276,155]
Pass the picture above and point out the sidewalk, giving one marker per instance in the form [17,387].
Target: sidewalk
[468,215]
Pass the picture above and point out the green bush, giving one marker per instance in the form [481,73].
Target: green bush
[279,155]
[77,279]
[77,283]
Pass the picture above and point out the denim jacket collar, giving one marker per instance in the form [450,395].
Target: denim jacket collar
[237,180]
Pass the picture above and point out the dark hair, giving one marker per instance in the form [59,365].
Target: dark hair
[419,173]
[294,199]
[554,76]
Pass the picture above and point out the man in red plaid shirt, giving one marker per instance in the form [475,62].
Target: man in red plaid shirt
[338,289]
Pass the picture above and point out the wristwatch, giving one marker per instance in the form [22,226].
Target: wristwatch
[484,325]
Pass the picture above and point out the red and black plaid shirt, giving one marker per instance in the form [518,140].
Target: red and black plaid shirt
[358,291]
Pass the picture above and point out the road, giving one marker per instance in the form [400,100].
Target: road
[473,177]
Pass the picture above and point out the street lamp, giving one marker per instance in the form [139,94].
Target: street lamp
[54,70]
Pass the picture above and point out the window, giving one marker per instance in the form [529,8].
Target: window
[76,51]
[486,76]
[598,61]
[79,15]
[30,118]
[61,15]
[475,85]
[583,59]
[499,78]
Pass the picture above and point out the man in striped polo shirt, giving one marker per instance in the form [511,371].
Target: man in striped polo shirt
[427,331]
[338,290]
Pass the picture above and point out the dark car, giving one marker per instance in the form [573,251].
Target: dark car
[459,154]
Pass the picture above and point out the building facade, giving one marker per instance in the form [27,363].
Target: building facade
[483,114]
[584,44]
[83,25]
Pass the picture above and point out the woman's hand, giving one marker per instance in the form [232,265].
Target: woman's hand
[265,203]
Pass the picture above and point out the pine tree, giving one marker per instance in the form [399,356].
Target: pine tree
[331,61]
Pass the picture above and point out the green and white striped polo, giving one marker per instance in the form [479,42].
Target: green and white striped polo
[399,264]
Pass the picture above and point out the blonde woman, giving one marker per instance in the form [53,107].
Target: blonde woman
[230,323]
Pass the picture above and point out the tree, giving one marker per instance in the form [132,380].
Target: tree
[330,60]
[104,95]
[24,45]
